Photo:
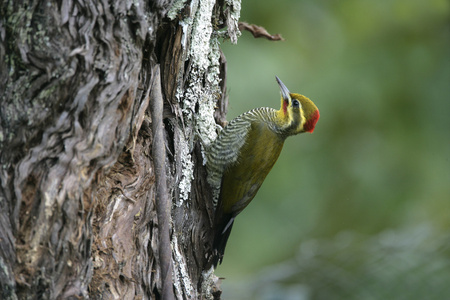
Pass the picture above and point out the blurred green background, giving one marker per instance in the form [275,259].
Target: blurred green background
[362,205]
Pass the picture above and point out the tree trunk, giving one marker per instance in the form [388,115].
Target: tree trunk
[104,107]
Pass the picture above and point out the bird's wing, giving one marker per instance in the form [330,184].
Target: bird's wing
[225,149]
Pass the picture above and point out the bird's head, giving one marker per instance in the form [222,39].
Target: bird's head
[297,113]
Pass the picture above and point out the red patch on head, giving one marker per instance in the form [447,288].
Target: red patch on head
[311,123]
[285,105]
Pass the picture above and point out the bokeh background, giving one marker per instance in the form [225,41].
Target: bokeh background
[360,209]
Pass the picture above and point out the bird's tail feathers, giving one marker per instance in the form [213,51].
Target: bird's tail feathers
[222,232]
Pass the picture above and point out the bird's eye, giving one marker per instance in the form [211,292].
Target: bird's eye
[295,103]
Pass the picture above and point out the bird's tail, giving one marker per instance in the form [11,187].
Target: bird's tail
[222,230]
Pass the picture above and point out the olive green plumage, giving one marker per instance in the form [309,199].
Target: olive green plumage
[245,151]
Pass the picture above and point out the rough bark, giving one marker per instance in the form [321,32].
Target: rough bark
[79,190]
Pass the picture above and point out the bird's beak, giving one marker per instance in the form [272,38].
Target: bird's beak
[284,90]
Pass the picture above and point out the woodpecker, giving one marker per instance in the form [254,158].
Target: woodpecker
[245,151]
